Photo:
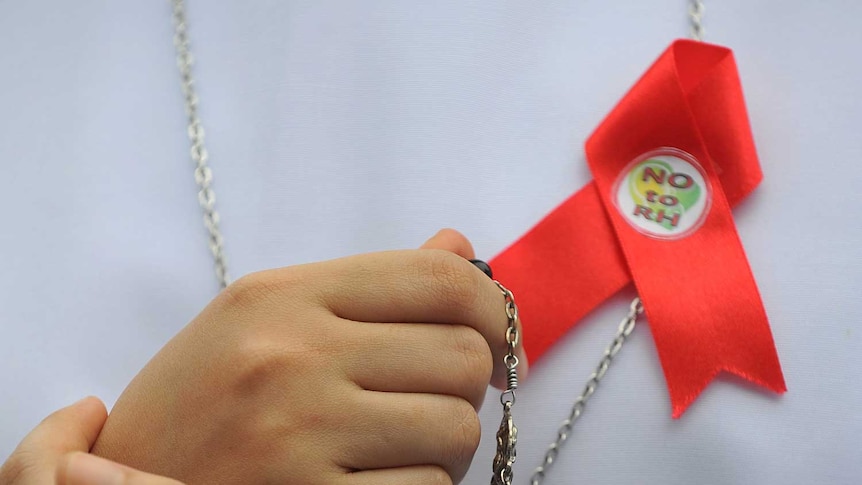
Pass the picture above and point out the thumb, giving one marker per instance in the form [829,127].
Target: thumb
[452,241]
[85,469]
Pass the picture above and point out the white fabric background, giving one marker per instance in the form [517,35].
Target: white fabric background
[338,127]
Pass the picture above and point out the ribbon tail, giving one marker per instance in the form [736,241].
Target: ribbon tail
[688,372]
[717,330]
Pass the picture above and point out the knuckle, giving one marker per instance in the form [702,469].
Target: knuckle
[452,278]
[246,291]
[466,433]
[258,362]
[262,286]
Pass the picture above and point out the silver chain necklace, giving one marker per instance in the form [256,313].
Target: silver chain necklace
[198,152]
[507,435]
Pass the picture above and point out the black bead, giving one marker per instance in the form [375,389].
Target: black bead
[483,266]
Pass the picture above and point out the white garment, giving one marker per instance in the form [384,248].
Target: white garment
[338,127]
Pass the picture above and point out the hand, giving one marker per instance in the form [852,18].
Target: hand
[362,370]
[56,452]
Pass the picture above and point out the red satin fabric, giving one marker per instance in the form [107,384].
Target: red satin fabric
[698,292]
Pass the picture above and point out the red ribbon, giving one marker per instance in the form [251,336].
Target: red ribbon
[698,291]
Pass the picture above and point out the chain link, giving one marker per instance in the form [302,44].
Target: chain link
[565,429]
[198,152]
[507,435]
[695,13]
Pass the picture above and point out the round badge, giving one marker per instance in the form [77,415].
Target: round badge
[663,193]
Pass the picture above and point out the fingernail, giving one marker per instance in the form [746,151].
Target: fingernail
[86,469]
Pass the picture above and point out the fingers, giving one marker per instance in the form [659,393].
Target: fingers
[71,431]
[424,474]
[397,430]
[425,358]
[455,242]
[430,286]
[433,286]
[73,428]
[452,241]
[85,469]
